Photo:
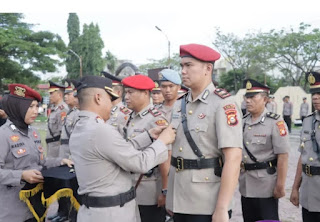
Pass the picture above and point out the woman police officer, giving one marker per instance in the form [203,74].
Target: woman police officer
[21,153]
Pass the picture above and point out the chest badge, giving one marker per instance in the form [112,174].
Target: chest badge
[201,115]
[21,151]
[161,122]
[35,135]
[15,138]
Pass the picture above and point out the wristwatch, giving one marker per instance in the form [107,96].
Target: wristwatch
[164,192]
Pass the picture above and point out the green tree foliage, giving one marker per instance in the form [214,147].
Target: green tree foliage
[24,52]
[111,61]
[73,27]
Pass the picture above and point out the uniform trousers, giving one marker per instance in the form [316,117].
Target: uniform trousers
[195,218]
[254,209]
[152,213]
[310,216]
[287,119]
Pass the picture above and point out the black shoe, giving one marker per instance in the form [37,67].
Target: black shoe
[60,218]
[53,216]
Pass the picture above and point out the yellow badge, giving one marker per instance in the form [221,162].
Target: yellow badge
[15,138]
[311,79]
[161,122]
[21,151]
[282,128]
[19,91]
[156,85]
[232,119]
[248,85]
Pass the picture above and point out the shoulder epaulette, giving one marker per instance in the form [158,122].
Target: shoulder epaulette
[272,115]
[125,110]
[222,93]
[61,107]
[154,112]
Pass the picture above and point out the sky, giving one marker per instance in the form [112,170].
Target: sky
[128,30]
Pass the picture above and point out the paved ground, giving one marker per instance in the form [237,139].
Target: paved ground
[288,212]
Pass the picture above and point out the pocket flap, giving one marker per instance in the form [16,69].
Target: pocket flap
[19,152]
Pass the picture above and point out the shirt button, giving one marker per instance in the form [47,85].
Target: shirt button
[245,157]
[190,112]
[207,178]
[132,124]
[249,128]
[311,159]
[304,138]
[133,135]
[258,141]
[180,149]
[247,143]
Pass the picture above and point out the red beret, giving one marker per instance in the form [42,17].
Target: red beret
[139,82]
[200,52]
[24,91]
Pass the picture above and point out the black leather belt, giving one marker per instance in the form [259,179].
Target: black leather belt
[64,141]
[181,164]
[108,201]
[259,165]
[310,170]
[54,139]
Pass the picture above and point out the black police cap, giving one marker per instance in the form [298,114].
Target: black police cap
[313,79]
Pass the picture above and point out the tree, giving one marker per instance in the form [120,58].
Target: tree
[111,61]
[72,62]
[294,52]
[24,52]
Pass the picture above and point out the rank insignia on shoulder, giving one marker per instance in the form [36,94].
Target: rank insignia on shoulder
[61,107]
[125,110]
[222,93]
[162,122]
[282,128]
[272,115]
[155,112]
[15,138]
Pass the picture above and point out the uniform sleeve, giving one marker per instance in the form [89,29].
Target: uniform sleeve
[280,137]
[7,176]
[228,125]
[111,146]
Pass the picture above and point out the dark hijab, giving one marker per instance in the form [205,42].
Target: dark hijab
[16,108]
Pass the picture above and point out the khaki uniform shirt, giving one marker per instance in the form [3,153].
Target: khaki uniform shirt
[287,109]
[271,107]
[55,123]
[309,189]
[166,111]
[265,138]
[150,187]
[103,162]
[214,123]
[304,109]
[119,115]
[18,152]
[67,128]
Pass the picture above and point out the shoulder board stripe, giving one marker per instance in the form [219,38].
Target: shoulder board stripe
[272,115]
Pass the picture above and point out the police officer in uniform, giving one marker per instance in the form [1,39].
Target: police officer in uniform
[21,153]
[209,136]
[287,111]
[119,112]
[304,109]
[104,159]
[170,84]
[64,151]
[305,190]
[152,187]
[55,119]
[265,157]
[156,94]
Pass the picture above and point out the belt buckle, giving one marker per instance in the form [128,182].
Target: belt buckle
[179,164]
[308,171]
[242,167]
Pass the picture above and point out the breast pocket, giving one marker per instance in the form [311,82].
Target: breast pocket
[21,157]
[305,141]
[53,125]
[204,176]
[259,140]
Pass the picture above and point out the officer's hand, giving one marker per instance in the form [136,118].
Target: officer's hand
[32,176]
[220,216]
[3,115]
[161,200]
[67,162]
[155,132]
[294,197]
[278,192]
[168,135]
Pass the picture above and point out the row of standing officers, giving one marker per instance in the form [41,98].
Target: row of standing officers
[184,156]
